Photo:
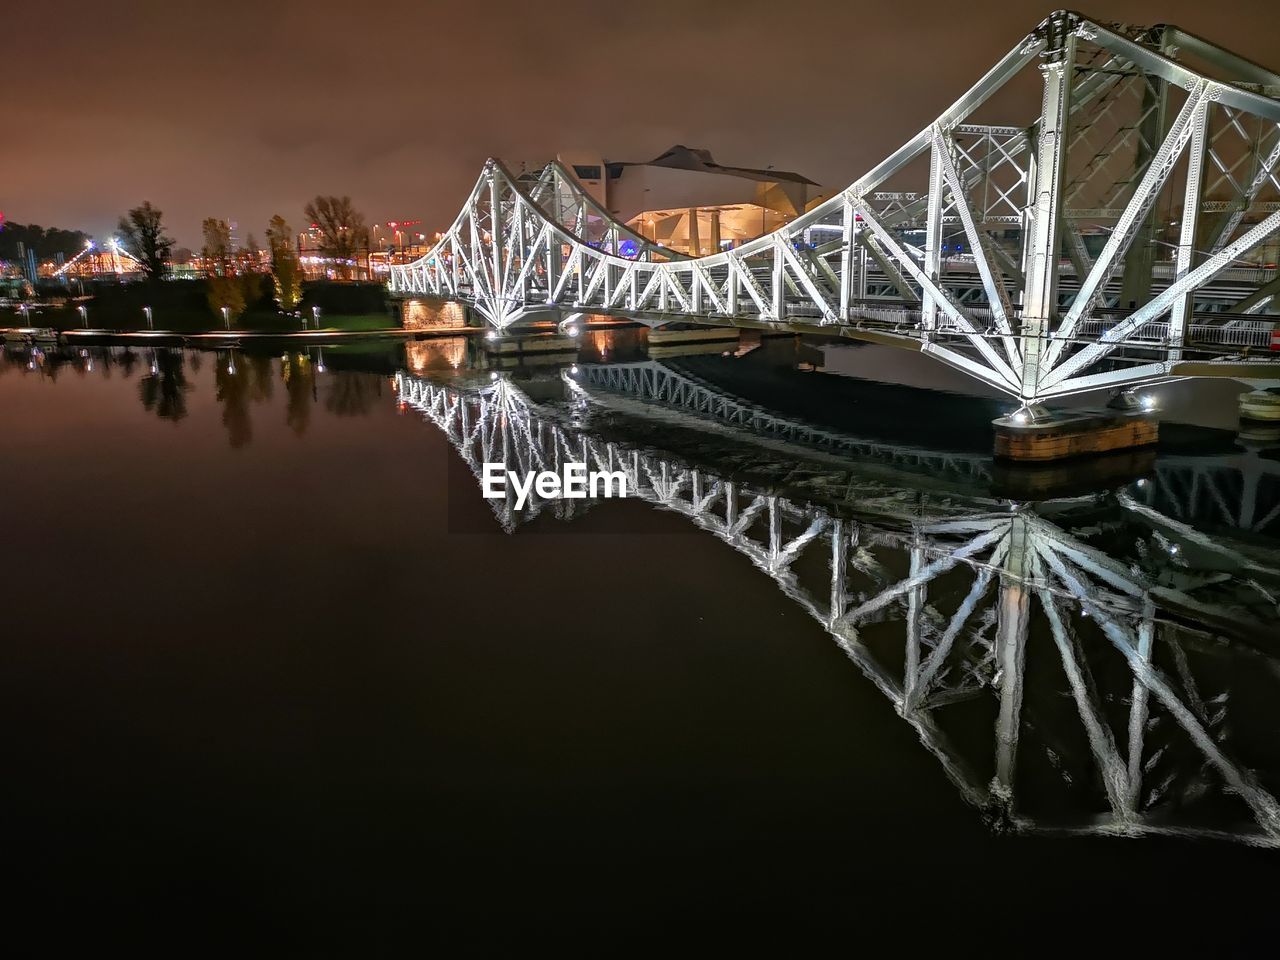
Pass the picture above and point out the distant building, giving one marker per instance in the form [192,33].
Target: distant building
[685,200]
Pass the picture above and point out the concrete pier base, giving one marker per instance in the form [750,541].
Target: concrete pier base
[1060,435]
[1260,406]
[657,352]
[514,344]
[665,338]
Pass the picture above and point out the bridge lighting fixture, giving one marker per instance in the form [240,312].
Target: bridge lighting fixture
[1148,402]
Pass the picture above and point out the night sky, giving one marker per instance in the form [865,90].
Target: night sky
[243,110]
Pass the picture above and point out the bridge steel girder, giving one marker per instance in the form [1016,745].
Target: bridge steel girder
[521,244]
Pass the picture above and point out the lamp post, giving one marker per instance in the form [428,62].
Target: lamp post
[84,314]
[226,317]
[146,311]
[315,315]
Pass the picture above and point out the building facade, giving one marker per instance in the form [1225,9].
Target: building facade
[685,200]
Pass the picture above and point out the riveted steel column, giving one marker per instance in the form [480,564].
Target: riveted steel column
[1185,305]
[932,241]
[846,261]
[779,281]
[1041,298]
[495,226]
[552,264]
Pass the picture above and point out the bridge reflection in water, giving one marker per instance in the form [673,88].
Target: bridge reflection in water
[1088,665]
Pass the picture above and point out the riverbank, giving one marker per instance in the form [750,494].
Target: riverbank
[89,336]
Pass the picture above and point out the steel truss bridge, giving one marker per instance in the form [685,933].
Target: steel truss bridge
[1115,234]
[1108,674]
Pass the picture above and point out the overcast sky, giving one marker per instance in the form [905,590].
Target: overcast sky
[242,110]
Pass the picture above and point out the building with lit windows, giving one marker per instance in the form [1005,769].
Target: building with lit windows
[685,200]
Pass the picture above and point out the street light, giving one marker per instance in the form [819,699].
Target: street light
[84,314]
[147,313]
[226,317]
[315,315]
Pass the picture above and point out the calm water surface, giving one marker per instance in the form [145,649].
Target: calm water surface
[269,657]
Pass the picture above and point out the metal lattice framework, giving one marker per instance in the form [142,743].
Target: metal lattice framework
[1115,239]
[942,610]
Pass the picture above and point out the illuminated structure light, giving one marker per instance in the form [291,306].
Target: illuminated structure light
[875,262]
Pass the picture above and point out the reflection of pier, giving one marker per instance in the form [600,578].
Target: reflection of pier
[1061,686]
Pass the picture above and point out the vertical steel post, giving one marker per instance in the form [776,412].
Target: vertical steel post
[846,260]
[1041,290]
[1185,304]
[932,241]
[779,282]
[498,286]
[863,254]
[553,263]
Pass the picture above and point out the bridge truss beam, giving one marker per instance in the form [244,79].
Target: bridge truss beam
[1096,161]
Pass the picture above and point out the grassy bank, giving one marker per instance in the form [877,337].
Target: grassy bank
[183,306]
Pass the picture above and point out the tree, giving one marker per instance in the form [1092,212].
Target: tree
[226,292]
[343,233]
[165,390]
[216,251]
[142,230]
[47,242]
[286,272]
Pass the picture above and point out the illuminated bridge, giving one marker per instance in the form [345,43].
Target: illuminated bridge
[1119,231]
[1089,644]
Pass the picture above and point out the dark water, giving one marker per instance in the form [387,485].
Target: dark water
[271,662]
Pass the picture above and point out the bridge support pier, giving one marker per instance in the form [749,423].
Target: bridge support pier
[1260,405]
[502,345]
[1058,435]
